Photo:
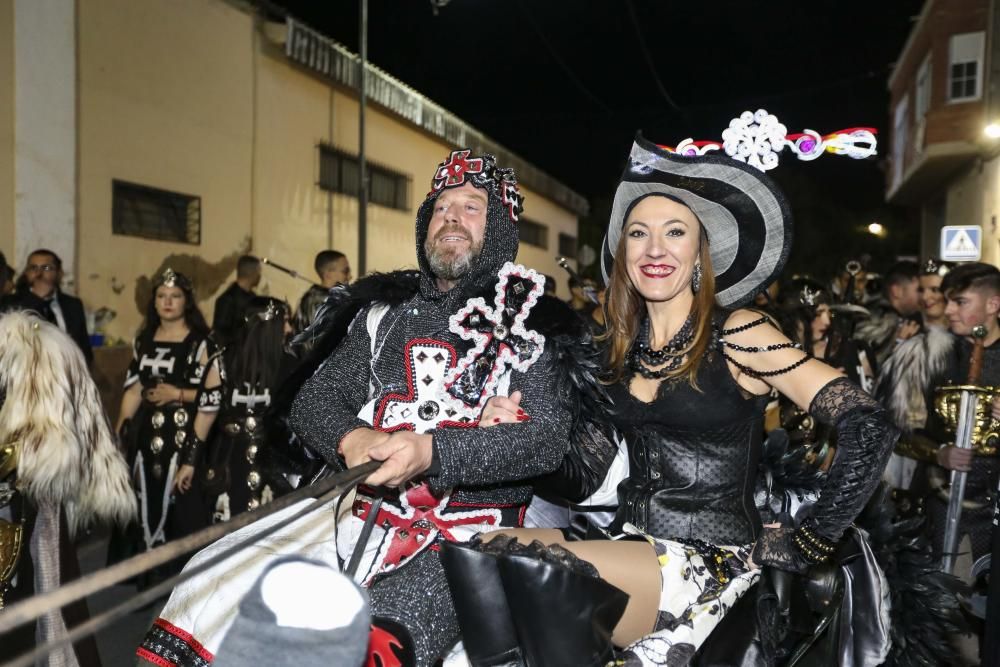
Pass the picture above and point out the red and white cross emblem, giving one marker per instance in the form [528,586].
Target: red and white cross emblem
[417,522]
[453,172]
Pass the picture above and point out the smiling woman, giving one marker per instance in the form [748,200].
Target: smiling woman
[690,240]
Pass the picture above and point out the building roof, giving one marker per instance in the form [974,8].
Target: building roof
[315,51]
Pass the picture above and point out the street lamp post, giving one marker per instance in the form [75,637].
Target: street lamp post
[362,166]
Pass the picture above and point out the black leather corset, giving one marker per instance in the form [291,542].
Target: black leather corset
[693,483]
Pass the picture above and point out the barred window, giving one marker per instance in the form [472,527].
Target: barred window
[567,246]
[338,172]
[533,233]
[151,213]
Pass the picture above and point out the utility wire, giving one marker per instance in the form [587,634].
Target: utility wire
[649,58]
[559,61]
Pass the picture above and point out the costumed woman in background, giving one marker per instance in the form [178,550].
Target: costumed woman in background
[690,237]
[161,385]
[238,389]
[807,317]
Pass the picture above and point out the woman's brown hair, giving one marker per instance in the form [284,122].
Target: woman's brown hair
[626,309]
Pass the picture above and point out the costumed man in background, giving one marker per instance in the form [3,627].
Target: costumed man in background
[910,374]
[333,269]
[973,293]
[228,317]
[409,360]
[896,316]
[60,470]
[38,289]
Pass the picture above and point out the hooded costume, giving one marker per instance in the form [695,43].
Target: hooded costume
[394,352]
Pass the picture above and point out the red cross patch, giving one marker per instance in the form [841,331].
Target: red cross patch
[453,172]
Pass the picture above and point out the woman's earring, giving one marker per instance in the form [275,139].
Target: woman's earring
[696,278]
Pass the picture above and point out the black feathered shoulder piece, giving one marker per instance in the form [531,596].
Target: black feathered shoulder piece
[578,365]
[333,318]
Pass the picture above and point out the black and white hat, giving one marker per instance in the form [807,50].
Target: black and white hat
[744,214]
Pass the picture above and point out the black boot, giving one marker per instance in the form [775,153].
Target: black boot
[564,613]
[473,576]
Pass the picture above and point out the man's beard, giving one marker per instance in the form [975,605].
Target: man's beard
[450,263]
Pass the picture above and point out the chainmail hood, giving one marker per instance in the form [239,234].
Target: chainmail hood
[500,240]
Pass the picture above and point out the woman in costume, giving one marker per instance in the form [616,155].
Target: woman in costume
[238,389]
[161,385]
[810,318]
[690,238]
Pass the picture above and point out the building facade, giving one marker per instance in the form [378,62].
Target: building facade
[141,134]
[942,164]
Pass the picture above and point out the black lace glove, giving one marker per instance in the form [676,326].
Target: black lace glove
[776,548]
[865,439]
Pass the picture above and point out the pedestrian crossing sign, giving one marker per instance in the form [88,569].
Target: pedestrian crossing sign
[961,243]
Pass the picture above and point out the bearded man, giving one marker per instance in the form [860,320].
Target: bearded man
[403,364]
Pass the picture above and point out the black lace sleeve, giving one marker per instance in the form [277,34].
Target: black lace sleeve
[865,438]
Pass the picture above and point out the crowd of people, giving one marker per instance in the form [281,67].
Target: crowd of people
[739,423]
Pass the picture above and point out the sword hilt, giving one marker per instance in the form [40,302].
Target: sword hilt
[976,362]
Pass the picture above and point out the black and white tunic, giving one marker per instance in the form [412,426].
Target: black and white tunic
[157,433]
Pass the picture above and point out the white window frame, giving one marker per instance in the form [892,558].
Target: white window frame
[923,90]
[966,48]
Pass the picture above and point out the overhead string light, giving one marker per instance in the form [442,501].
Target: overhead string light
[758,138]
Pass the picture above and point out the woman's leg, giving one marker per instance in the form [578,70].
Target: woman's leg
[631,566]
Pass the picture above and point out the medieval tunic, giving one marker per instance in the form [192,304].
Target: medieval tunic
[157,434]
[481,476]
[233,478]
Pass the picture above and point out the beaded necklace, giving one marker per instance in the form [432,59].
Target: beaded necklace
[670,356]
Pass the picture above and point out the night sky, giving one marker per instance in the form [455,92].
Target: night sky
[566,84]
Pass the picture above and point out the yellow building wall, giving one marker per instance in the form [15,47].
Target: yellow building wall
[7,131]
[556,219]
[293,217]
[165,100]
[190,96]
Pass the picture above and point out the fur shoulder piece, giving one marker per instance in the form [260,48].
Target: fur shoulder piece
[66,453]
[915,365]
[344,302]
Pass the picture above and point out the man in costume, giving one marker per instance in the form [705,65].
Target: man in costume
[973,292]
[408,361]
[229,307]
[333,269]
[907,379]
[60,469]
[896,316]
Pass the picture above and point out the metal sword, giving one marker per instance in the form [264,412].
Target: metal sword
[588,292]
[963,438]
[292,272]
